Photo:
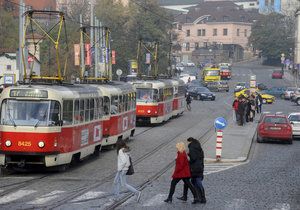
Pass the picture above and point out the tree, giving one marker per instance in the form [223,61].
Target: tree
[273,34]
[9,30]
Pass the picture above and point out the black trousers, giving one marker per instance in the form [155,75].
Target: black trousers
[186,182]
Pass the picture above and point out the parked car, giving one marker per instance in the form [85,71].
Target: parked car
[190,64]
[262,86]
[277,74]
[266,98]
[274,127]
[294,119]
[225,73]
[218,86]
[201,93]
[295,97]
[240,86]
[289,92]
[275,91]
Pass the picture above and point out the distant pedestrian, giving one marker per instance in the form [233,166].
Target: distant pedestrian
[235,105]
[189,79]
[240,111]
[196,156]
[252,108]
[188,101]
[259,102]
[181,172]
[123,165]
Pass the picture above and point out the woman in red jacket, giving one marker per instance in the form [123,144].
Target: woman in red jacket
[181,172]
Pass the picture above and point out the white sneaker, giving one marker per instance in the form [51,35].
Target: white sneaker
[138,196]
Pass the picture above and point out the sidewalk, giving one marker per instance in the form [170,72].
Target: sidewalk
[236,144]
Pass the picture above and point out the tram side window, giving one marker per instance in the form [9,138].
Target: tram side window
[87,109]
[76,112]
[161,95]
[128,101]
[106,105]
[175,90]
[155,95]
[121,104]
[54,115]
[81,110]
[181,91]
[98,108]
[125,100]
[114,105]
[92,109]
[67,112]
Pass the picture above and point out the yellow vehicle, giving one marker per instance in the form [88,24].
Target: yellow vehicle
[266,98]
[211,74]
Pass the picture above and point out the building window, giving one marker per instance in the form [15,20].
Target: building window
[251,4]
[203,32]
[205,44]
[196,45]
[225,18]
[245,32]
[187,46]
[188,32]
[272,2]
[199,32]
[8,67]
[225,31]
[215,32]
[238,32]
[179,27]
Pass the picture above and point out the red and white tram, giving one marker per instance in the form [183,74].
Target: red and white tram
[154,100]
[179,102]
[119,121]
[50,125]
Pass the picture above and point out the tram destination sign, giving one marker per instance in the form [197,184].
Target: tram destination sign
[28,93]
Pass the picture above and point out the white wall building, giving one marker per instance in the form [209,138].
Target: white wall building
[8,69]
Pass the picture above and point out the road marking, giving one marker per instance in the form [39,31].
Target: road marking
[16,195]
[46,198]
[157,199]
[217,167]
[88,196]
[282,206]
[236,204]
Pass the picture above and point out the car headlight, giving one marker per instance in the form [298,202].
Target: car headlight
[149,111]
[41,144]
[8,143]
[202,94]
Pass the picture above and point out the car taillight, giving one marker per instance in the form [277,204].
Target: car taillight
[289,128]
[261,127]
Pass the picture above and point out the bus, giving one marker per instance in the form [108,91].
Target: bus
[211,74]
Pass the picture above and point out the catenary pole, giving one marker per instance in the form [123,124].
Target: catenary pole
[297,45]
[21,37]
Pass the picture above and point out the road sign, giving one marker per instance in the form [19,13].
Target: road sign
[119,72]
[220,123]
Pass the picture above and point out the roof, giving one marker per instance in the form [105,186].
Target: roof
[178,2]
[217,11]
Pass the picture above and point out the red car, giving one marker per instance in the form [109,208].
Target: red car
[274,127]
[277,75]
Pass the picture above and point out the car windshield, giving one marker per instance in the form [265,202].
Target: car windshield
[203,89]
[240,84]
[145,95]
[275,120]
[212,73]
[29,113]
[294,118]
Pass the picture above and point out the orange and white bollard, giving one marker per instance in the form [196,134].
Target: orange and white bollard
[219,145]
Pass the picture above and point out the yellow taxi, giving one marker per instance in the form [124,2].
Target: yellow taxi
[266,98]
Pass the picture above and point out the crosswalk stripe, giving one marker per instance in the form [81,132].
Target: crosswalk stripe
[236,204]
[46,198]
[88,196]
[155,200]
[282,206]
[16,195]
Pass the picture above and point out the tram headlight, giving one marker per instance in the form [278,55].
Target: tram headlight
[8,143]
[41,144]
[149,111]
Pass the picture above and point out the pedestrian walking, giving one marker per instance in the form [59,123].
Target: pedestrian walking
[240,111]
[188,101]
[235,108]
[123,165]
[181,172]
[252,108]
[259,102]
[196,156]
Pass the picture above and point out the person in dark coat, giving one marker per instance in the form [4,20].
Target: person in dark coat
[188,101]
[259,102]
[240,111]
[196,156]
[181,172]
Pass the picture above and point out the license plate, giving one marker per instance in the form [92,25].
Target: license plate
[209,96]
[275,128]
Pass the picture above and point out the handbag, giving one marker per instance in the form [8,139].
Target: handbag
[130,170]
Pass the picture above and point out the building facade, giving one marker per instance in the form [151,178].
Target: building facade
[9,72]
[267,6]
[214,31]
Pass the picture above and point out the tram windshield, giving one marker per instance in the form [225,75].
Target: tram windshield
[212,73]
[146,95]
[29,113]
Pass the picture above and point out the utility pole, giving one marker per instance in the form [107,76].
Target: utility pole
[297,45]
[96,46]
[92,31]
[82,63]
[21,38]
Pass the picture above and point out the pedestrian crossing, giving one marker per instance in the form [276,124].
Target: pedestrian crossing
[33,197]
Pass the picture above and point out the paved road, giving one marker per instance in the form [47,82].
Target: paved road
[229,186]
